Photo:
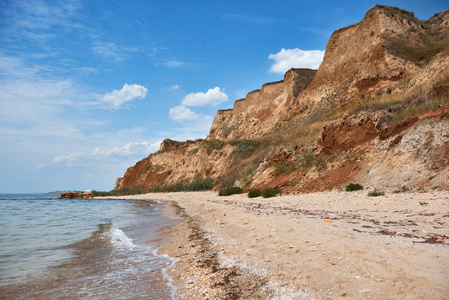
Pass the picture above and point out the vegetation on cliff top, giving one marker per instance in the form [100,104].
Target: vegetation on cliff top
[199,183]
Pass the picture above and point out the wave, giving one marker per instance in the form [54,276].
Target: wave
[118,238]
[93,258]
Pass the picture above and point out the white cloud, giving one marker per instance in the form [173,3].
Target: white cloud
[174,64]
[211,97]
[195,125]
[139,148]
[119,98]
[39,21]
[284,60]
[174,87]
[182,114]
[84,159]
[109,51]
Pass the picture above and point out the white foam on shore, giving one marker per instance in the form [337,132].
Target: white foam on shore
[141,254]
[170,281]
[119,238]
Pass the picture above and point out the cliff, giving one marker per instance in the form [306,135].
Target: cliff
[383,86]
[261,110]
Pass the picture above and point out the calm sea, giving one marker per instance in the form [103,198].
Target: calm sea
[86,249]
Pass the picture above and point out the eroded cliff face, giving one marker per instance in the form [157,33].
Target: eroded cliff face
[177,161]
[373,57]
[377,55]
[261,111]
[384,82]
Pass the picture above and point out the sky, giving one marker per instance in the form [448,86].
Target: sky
[90,87]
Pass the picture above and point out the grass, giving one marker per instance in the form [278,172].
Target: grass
[133,190]
[376,193]
[429,105]
[353,187]
[248,174]
[306,160]
[212,145]
[227,180]
[285,167]
[244,149]
[309,160]
[422,47]
[404,105]
[248,154]
[197,184]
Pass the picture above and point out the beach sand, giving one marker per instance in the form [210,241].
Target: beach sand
[328,245]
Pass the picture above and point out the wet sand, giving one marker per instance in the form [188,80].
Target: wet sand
[329,245]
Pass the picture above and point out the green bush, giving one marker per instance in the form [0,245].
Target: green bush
[254,193]
[200,184]
[353,187]
[268,193]
[375,193]
[230,191]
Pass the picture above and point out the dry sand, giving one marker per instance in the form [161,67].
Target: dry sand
[329,245]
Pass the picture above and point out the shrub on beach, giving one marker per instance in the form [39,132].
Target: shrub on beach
[353,187]
[230,191]
[254,193]
[268,193]
[375,193]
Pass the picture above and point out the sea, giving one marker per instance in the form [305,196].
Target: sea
[82,248]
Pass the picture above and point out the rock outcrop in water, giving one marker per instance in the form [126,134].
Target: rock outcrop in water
[77,195]
[375,112]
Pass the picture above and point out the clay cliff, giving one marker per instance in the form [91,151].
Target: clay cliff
[261,110]
[375,112]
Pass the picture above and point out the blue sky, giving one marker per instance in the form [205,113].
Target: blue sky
[88,88]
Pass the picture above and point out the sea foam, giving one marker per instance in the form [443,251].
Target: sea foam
[119,239]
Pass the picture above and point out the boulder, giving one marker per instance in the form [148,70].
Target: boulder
[71,195]
[88,194]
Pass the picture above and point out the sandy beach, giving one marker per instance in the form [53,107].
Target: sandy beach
[328,245]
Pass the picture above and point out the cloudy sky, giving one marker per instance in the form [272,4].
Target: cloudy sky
[88,88]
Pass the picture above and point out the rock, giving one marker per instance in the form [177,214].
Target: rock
[71,195]
[88,194]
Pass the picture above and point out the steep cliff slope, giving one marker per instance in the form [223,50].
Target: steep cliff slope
[261,110]
[374,55]
[376,112]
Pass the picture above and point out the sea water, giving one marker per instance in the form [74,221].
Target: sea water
[82,248]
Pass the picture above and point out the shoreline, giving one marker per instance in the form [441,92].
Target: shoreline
[327,245]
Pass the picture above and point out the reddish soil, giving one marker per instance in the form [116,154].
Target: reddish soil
[332,179]
[397,128]
[439,91]
[279,157]
[345,136]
